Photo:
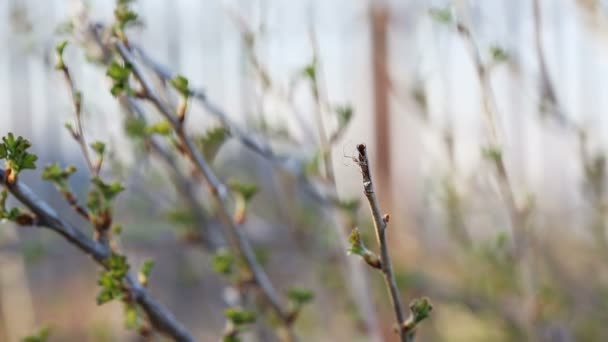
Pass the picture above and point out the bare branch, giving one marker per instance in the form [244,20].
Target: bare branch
[406,327]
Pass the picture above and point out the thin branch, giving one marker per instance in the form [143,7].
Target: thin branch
[78,135]
[380,224]
[160,317]
[219,191]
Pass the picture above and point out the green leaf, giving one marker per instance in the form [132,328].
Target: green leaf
[110,279]
[498,54]
[144,272]
[247,190]
[345,114]
[14,151]
[118,72]
[212,141]
[300,296]
[135,127]
[41,335]
[131,317]
[357,247]
[356,244]
[124,15]
[240,317]
[7,214]
[421,308]
[223,262]
[120,77]
[163,128]
[109,191]
[55,174]
[231,338]
[180,83]
[442,15]
[310,71]
[492,153]
[60,47]
[99,147]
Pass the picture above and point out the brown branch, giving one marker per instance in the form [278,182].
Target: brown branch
[380,224]
[160,317]
[78,135]
[219,191]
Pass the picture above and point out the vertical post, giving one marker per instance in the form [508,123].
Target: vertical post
[380,83]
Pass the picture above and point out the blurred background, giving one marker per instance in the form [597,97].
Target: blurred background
[484,121]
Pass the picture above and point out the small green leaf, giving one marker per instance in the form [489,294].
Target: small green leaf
[144,272]
[41,335]
[131,317]
[99,147]
[135,127]
[247,190]
[110,279]
[14,151]
[300,296]
[240,317]
[498,54]
[357,247]
[442,15]
[492,153]
[345,114]
[421,308]
[223,262]
[212,141]
[180,83]
[163,128]
[55,174]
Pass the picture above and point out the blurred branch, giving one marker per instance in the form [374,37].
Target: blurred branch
[45,216]
[218,190]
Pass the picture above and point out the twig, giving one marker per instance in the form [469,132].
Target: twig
[161,318]
[78,135]
[380,224]
[219,192]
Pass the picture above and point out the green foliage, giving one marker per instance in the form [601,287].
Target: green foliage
[313,166]
[41,335]
[492,153]
[246,190]
[111,279]
[344,114]
[180,216]
[240,317]
[5,214]
[231,338]
[223,262]
[58,176]
[135,127]
[357,247]
[99,147]
[442,15]
[124,14]
[163,128]
[59,48]
[102,194]
[498,54]
[120,78]
[421,309]
[310,71]
[145,271]
[212,141]
[14,151]
[180,83]
[132,320]
[299,296]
